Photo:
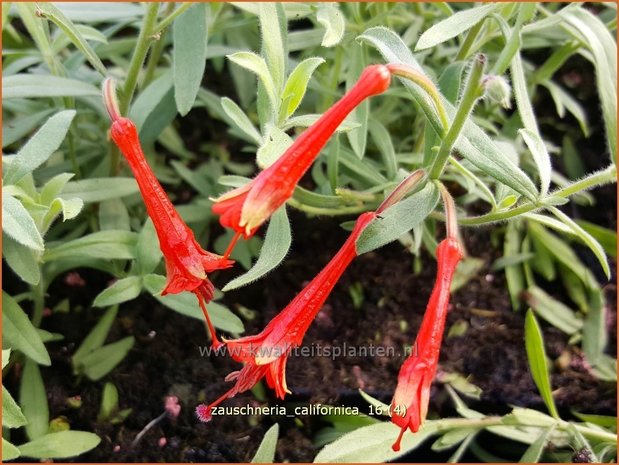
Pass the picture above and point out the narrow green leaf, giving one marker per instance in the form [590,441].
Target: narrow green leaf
[473,144]
[274,249]
[52,188]
[564,101]
[98,12]
[21,126]
[266,450]
[534,452]
[540,156]
[44,85]
[59,19]
[60,445]
[109,402]
[121,291]
[33,401]
[113,215]
[297,82]
[398,219]
[273,28]
[6,355]
[372,444]
[513,273]
[12,416]
[95,338]
[358,137]
[39,147]
[19,333]
[187,304]
[536,354]
[583,235]
[258,66]
[456,24]
[22,260]
[595,334]
[103,244]
[99,189]
[593,33]
[9,451]
[240,120]
[554,312]
[606,237]
[189,54]
[382,139]
[101,361]
[332,19]
[276,142]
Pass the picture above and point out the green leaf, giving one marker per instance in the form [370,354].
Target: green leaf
[60,445]
[274,28]
[540,156]
[101,361]
[22,260]
[358,137]
[121,291]
[266,450]
[100,189]
[19,225]
[98,12]
[297,82]
[73,33]
[39,147]
[109,402]
[52,188]
[45,85]
[239,119]
[6,355]
[187,304]
[554,312]
[113,215]
[398,219]
[564,101]
[276,142]
[534,452]
[372,444]
[19,333]
[95,338]
[9,451]
[332,19]
[189,54]
[12,416]
[536,354]
[606,237]
[456,24]
[274,249]
[473,144]
[590,30]
[21,126]
[33,401]
[258,66]
[103,244]
[595,334]
[154,108]
[148,252]
[583,235]
[382,139]
[513,273]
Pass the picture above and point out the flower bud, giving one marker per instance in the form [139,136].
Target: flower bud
[498,90]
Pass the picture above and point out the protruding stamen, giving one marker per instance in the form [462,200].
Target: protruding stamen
[401,190]
[216,342]
[110,100]
[233,242]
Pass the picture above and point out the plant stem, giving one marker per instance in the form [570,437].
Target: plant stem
[38,292]
[330,211]
[465,47]
[155,55]
[472,91]
[139,55]
[596,179]
[172,16]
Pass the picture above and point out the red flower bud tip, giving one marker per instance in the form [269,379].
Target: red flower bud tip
[412,394]
[187,264]
[266,353]
[245,208]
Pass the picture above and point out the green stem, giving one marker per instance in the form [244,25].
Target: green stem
[426,84]
[139,55]
[331,211]
[605,436]
[171,16]
[599,178]
[155,54]
[467,44]
[38,292]
[472,91]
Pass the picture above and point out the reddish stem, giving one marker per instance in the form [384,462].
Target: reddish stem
[216,342]
[233,242]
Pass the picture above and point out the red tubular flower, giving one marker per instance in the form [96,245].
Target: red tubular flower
[265,354]
[187,264]
[412,395]
[244,209]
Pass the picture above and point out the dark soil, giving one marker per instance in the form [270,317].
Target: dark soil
[166,359]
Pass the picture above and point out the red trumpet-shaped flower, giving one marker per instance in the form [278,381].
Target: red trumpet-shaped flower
[187,264]
[265,354]
[244,209]
[412,395]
